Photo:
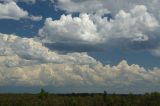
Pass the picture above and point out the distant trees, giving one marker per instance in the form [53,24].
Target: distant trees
[43,95]
[43,98]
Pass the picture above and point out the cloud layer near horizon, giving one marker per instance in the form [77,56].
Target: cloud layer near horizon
[26,62]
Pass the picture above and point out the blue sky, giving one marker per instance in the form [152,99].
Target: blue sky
[121,34]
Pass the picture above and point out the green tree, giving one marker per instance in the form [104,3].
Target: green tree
[43,95]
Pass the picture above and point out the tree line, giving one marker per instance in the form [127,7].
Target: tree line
[43,98]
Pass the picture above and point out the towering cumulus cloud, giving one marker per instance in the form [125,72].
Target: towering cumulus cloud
[26,62]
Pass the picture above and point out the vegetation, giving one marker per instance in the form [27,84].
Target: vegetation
[84,99]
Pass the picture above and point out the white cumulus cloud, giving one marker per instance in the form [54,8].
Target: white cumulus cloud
[10,10]
[69,29]
[134,25]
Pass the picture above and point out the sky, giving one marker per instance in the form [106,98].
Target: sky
[80,46]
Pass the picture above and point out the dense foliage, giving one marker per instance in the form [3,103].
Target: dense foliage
[85,99]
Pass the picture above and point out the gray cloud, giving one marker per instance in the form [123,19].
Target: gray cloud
[74,47]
